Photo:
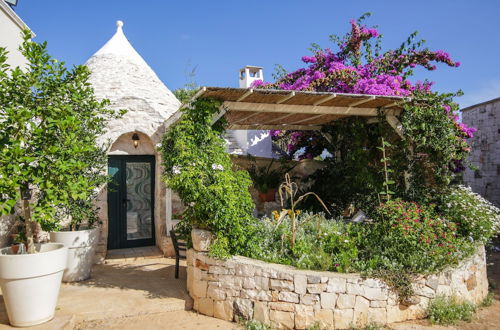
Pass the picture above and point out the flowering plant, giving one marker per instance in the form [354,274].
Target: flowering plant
[199,169]
[414,238]
[476,218]
[434,146]
[361,67]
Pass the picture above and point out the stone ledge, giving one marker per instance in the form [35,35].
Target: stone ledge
[285,297]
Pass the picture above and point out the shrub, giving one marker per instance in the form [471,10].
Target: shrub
[322,244]
[414,238]
[476,218]
[445,311]
[199,169]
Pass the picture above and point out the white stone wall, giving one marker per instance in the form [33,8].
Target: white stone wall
[11,27]
[485,153]
[10,38]
[288,298]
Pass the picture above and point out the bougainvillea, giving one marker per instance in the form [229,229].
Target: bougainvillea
[360,67]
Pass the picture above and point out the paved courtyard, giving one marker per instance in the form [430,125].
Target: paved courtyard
[134,289]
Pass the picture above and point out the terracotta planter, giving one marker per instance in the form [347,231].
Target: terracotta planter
[15,248]
[82,245]
[201,239]
[269,196]
[31,282]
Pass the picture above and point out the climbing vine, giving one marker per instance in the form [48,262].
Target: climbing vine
[198,167]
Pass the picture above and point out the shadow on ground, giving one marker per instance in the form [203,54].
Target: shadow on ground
[118,289]
[155,279]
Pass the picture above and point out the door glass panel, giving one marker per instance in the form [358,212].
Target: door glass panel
[139,210]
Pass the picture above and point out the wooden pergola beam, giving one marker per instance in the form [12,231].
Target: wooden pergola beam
[244,96]
[306,119]
[302,109]
[272,127]
[396,124]
[281,117]
[246,117]
[286,98]
[325,99]
[222,112]
[359,102]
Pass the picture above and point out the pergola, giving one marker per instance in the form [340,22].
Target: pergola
[264,109]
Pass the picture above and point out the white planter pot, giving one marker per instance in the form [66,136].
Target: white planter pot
[201,239]
[82,245]
[31,282]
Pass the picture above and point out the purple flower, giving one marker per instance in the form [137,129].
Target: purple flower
[256,83]
[309,59]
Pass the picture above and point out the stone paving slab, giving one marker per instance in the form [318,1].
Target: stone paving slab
[119,289]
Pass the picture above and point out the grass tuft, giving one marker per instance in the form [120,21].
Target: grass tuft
[256,325]
[446,311]
[488,300]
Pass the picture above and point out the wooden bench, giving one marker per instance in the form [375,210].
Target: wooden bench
[178,247]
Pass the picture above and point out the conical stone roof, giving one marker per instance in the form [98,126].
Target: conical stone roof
[121,75]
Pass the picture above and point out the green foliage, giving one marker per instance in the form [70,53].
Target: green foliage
[255,325]
[49,124]
[488,300]
[220,248]
[397,279]
[315,326]
[370,326]
[434,145]
[265,178]
[413,238]
[477,219]
[199,169]
[321,244]
[353,174]
[446,311]
[387,192]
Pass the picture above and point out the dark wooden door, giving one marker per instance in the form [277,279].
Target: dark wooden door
[131,201]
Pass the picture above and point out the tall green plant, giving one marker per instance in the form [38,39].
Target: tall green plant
[49,124]
[198,167]
[387,192]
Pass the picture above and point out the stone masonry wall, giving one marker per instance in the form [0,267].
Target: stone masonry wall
[288,298]
[485,153]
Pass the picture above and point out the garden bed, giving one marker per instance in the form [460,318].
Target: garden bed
[286,297]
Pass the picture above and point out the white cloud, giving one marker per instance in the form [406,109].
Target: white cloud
[485,92]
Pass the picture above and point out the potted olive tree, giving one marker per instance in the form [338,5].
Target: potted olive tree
[49,120]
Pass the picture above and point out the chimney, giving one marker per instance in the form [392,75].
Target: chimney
[249,74]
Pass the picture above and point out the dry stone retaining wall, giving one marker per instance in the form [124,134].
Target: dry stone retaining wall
[285,297]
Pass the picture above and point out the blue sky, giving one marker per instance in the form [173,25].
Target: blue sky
[219,37]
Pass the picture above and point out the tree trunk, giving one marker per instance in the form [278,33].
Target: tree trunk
[29,226]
